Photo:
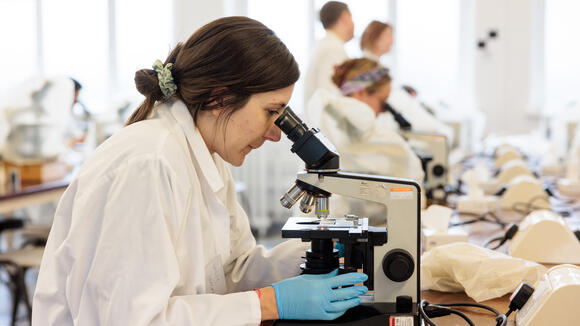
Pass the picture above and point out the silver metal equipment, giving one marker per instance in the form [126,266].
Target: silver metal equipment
[391,262]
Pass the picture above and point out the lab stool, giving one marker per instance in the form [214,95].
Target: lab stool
[16,263]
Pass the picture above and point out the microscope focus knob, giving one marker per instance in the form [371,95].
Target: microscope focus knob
[438,170]
[398,265]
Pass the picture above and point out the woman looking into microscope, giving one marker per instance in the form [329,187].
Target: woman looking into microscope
[150,232]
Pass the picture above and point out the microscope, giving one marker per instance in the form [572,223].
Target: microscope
[435,145]
[433,151]
[388,255]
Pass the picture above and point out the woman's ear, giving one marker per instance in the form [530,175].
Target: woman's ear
[218,98]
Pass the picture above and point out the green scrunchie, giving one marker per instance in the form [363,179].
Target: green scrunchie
[168,87]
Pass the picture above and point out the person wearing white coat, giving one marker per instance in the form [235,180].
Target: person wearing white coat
[149,232]
[366,143]
[376,41]
[329,51]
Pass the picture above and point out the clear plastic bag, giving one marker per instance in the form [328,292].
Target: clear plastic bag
[482,273]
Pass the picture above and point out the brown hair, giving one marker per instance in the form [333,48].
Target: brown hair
[220,66]
[354,67]
[372,33]
[330,12]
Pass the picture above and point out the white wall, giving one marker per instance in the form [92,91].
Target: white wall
[504,69]
[188,16]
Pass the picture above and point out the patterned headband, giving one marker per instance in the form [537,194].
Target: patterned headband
[363,80]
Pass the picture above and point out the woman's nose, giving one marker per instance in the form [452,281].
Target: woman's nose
[273,133]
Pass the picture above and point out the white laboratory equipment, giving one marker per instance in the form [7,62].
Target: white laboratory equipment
[555,299]
[545,237]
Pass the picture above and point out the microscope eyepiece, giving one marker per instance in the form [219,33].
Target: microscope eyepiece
[310,145]
[291,124]
[403,123]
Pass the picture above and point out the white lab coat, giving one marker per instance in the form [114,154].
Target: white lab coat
[421,120]
[369,55]
[328,53]
[150,233]
[365,144]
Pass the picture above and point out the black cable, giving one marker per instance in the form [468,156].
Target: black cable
[428,311]
[465,304]
[440,310]
[509,234]
[455,312]
[497,247]
[496,218]
[501,320]
[481,218]
[489,241]
[424,316]
[517,300]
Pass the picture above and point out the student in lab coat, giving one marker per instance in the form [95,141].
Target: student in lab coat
[329,51]
[376,40]
[149,232]
[366,144]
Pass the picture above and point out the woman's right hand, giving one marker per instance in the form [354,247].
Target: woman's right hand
[318,297]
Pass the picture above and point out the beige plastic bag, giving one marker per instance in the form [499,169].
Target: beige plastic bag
[482,273]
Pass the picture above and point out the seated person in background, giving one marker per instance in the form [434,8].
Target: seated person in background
[376,40]
[365,143]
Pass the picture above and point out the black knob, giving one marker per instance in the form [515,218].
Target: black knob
[438,170]
[398,265]
[404,304]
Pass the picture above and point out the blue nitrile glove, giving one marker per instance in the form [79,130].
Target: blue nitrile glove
[317,297]
[340,247]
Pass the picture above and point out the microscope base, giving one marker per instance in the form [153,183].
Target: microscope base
[365,314]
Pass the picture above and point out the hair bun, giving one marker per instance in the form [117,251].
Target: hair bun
[339,75]
[147,83]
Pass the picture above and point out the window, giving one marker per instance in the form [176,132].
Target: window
[427,40]
[82,39]
[289,20]
[74,36]
[143,35]
[18,46]
[562,68]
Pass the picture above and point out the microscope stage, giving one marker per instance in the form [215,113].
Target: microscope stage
[330,228]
